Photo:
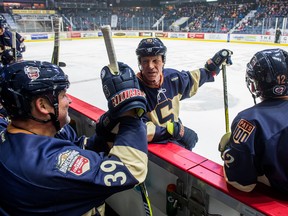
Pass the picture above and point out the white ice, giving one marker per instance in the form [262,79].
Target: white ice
[204,112]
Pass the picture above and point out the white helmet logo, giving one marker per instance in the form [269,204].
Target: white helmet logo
[33,73]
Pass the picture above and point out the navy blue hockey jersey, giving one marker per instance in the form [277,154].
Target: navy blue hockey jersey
[6,41]
[258,147]
[50,176]
[164,102]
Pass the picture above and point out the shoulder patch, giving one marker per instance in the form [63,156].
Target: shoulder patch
[73,162]
[173,79]
[242,131]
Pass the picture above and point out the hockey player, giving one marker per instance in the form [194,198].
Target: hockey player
[6,39]
[257,149]
[43,175]
[165,88]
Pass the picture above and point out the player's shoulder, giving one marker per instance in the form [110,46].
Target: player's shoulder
[172,73]
[265,108]
[7,32]
[169,71]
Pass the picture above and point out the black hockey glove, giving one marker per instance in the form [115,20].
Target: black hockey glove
[122,91]
[22,47]
[185,136]
[3,112]
[106,124]
[221,57]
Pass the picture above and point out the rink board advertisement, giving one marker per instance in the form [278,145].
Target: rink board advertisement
[238,38]
[215,37]
[196,35]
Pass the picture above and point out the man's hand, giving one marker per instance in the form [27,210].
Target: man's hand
[221,57]
[182,134]
[224,142]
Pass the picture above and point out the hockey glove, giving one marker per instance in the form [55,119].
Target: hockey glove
[8,57]
[221,57]
[106,130]
[106,127]
[122,91]
[185,136]
[22,47]
[224,142]
[3,112]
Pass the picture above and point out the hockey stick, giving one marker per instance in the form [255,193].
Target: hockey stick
[14,48]
[55,54]
[225,98]
[145,198]
[107,34]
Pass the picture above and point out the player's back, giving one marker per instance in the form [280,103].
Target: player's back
[271,139]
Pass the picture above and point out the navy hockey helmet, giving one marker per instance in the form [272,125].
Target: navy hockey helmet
[267,73]
[3,24]
[21,82]
[7,57]
[151,47]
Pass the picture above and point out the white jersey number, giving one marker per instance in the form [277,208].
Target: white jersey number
[110,166]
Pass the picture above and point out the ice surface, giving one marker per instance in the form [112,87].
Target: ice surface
[204,112]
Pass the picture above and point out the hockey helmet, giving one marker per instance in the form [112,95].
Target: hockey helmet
[7,57]
[3,24]
[21,82]
[151,47]
[267,73]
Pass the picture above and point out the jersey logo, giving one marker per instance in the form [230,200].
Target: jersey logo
[164,108]
[174,79]
[73,162]
[242,131]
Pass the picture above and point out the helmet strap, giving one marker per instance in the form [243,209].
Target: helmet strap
[54,117]
[254,99]
[39,120]
[55,120]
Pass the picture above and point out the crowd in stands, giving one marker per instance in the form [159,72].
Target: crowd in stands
[203,16]
[217,17]
[266,10]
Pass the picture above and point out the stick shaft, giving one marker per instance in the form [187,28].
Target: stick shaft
[107,35]
[146,200]
[14,45]
[55,54]
[225,93]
